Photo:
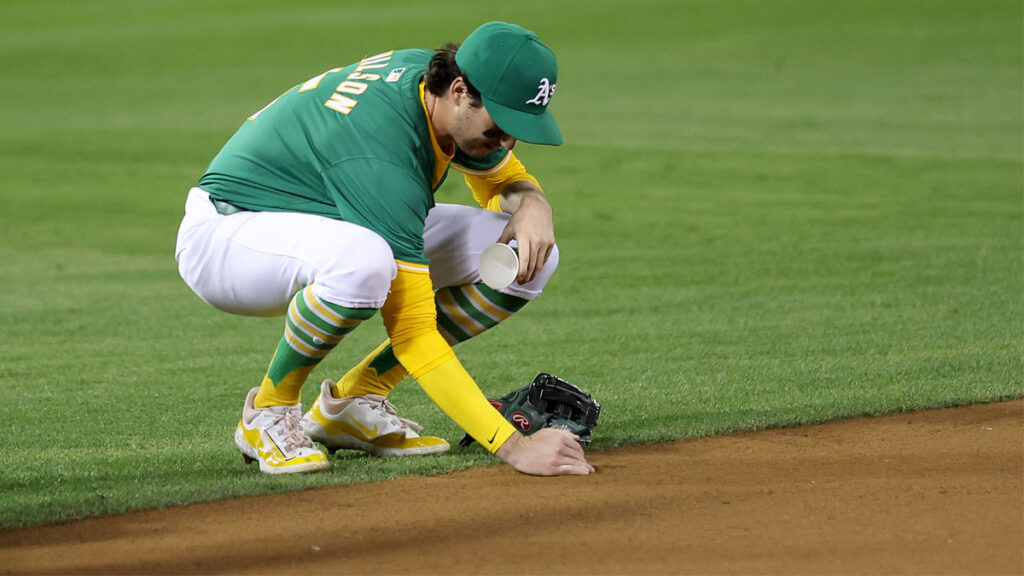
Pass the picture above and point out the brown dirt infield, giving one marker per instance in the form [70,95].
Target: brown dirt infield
[935,492]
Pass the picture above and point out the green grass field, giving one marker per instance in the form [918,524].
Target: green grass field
[769,213]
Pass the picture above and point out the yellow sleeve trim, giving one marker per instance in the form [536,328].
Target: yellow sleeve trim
[413,267]
[488,185]
[495,170]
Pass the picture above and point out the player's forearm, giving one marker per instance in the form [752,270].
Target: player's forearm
[429,359]
[455,392]
[513,196]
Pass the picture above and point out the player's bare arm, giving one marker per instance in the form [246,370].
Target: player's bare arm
[532,226]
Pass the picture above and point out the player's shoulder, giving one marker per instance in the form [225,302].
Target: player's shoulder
[416,57]
[393,66]
[396,69]
[404,69]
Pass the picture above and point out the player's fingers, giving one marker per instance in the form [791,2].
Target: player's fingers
[578,463]
[543,254]
[576,452]
[525,260]
[571,447]
[537,259]
[570,438]
[536,263]
[572,471]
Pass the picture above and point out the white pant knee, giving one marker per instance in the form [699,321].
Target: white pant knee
[361,275]
[533,288]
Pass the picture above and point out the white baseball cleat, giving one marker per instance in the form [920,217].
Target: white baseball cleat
[273,437]
[368,423]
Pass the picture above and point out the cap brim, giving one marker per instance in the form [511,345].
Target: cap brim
[531,128]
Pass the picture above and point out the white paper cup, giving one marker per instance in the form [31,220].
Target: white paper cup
[499,266]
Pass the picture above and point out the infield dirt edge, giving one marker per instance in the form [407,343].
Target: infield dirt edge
[931,492]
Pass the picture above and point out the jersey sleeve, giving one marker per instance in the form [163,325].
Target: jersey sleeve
[488,177]
[384,197]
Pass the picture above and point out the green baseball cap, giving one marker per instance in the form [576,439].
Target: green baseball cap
[516,75]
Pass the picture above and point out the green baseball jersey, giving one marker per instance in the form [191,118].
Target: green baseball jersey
[353,143]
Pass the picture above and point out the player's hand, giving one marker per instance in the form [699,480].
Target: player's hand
[547,452]
[533,228]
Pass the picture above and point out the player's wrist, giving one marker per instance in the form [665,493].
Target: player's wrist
[516,193]
[510,451]
[534,199]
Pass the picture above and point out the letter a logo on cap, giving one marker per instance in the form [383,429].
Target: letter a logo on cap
[544,93]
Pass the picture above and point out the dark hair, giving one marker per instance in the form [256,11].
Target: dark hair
[443,70]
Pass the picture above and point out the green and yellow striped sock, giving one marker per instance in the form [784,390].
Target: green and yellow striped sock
[312,329]
[468,310]
[462,312]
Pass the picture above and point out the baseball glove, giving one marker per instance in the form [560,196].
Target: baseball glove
[548,402]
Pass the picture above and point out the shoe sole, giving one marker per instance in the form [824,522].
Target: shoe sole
[347,442]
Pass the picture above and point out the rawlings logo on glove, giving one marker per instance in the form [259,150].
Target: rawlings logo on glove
[548,402]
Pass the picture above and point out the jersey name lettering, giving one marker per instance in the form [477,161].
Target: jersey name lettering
[355,84]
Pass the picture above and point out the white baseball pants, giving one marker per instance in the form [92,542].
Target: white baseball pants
[253,263]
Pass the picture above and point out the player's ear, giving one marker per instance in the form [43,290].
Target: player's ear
[458,90]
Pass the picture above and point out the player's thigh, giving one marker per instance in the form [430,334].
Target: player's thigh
[454,237]
[253,263]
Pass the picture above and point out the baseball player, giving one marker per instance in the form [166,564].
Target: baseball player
[320,208]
